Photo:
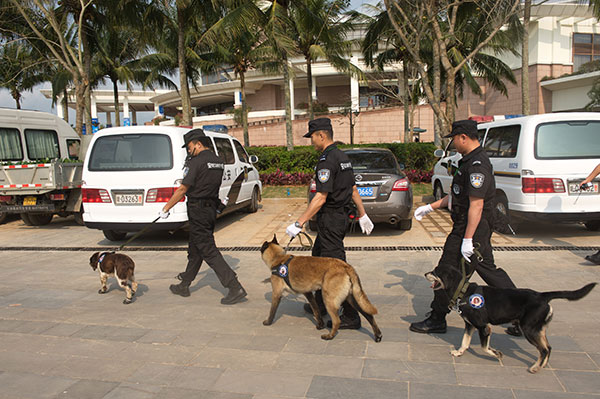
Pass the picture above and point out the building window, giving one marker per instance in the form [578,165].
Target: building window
[586,48]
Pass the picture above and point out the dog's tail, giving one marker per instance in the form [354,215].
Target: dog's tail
[570,295]
[359,294]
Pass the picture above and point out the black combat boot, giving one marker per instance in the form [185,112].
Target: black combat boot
[182,288]
[320,304]
[595,258]
[236,293]
[349,319]
[514,330]
[435,323]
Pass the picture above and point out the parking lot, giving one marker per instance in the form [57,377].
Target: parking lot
[60,339]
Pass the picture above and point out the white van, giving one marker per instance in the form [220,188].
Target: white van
[131,172]
[539,162]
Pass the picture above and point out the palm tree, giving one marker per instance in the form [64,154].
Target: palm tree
[321,29]
[21,68]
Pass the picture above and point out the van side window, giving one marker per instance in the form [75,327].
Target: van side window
[225,150]
[10,145]
[73,147]
[41,144]
[242,155]
[480,135]
[502,141]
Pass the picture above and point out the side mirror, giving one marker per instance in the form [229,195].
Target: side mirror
[439,153]
[253,159]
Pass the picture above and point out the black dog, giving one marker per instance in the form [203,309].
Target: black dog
[482,306]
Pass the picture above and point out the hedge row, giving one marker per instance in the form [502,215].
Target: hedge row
[302,159]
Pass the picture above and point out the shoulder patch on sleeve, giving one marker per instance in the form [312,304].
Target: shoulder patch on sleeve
[476,163]
[214,165]
[323,175]
[477,179]
[323,157]
[345,165]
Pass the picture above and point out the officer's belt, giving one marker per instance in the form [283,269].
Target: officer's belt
[334,209]
[464,281]
[192,200]
[283,271]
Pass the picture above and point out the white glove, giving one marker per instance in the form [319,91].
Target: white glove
[365,224]
[292,230]
[163,215]
[422,211]
[467,248]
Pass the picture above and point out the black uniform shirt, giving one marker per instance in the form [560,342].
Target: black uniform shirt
[334,176]
[203,176]
[474,177]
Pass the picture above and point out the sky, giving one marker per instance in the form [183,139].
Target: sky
[35,100]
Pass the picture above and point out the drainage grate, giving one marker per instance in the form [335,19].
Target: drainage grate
[300,249]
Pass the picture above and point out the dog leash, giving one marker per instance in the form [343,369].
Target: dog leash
[299,235]
[464,282]
[139,233]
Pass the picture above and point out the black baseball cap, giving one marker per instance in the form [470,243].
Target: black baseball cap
[468,127]
[319,124]
[195,134]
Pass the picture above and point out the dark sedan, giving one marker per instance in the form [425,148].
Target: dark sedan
[385,190]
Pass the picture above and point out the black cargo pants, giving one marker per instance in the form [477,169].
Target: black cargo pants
[332,225]
[493,276]
[202,216]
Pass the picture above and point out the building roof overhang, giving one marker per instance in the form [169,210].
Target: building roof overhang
[570,82]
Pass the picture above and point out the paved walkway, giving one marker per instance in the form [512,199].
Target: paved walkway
[60,339]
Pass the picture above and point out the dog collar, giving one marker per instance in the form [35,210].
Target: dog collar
[102,255]
[283,271]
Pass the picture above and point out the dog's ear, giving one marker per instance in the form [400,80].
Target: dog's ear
[274,241]
[94,260]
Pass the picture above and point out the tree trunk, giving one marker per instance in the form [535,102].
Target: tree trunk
[244,110]
[186,105]
[65,105]
[525,59]
[437,94]
[116,101]
[406,101]
[87,66]
[311,112]
[17,96]
[289,134]
[80,107]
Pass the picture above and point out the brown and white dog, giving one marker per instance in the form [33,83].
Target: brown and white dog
[118,265]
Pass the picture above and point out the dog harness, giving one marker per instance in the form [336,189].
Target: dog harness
[102,255]
[283,271]
[464,282]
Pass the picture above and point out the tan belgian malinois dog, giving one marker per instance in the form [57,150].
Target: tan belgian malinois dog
[305,274]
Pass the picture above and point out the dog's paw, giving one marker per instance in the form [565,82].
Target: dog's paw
[320,326]
[101,291]
[498,354]
[327,337]
[127,301]
[267,323]
[534,369]
[378,338]
[456,352]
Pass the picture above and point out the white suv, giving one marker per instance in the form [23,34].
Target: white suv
[130,172]
[539,162]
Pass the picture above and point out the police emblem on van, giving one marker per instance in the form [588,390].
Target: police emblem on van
[477,180]
[323,175]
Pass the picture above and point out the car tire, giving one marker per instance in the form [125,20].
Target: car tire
[3,216]
[404,224]
[502,205]
[592,225]
[112,235]
[253,207]
[37,219]
[313,225]
[438,192]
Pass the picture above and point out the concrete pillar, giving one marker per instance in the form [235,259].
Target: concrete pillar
[133,118]
[314,88]
[94,108]
[292,96]
[126,112]
[59,107]
[109,118]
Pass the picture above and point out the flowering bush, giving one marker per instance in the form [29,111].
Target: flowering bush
[419,176]
[279,178]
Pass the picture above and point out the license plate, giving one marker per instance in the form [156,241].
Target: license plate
[365,191]
[574,188]
[29,201]
[128,199]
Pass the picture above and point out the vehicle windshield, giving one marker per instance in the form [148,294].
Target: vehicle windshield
[568,140]
[131,152]
[372,161]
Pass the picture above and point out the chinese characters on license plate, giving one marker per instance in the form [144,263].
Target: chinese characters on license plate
[128,199]
[365,191]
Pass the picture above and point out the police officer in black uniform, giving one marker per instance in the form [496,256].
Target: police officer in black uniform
[471,202]
[335,189]
[201,182]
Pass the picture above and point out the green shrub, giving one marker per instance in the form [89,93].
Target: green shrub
[304,158]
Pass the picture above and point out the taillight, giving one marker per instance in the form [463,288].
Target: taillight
[57,197]
[313,187]
[542,185]
[162,194]
[5,198]
[400,185]
[96,195]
